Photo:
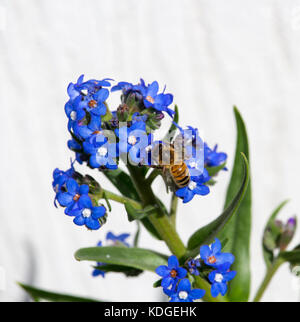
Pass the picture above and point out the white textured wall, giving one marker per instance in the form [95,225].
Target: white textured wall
[211,54]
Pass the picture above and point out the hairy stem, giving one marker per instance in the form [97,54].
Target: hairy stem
[159,220]
[112,196]
[154,173]
[270,273]
[165,228]
[173,210]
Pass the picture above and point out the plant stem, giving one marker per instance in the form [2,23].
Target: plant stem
[154,173]
[159,220]
[121,199]
[173,210]
[270,273]
[164,227]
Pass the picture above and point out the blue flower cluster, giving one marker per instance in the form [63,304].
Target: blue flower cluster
[220,262]
[76,200]
[174,283]
[115,240]
[102,138]
[178,287]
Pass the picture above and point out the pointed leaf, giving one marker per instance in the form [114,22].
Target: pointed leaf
[39,294]
[206,234]
[238,229]
[212,171]
[173,127]
[143,259]
[128,271]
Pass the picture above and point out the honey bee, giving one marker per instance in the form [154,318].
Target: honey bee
[171,160]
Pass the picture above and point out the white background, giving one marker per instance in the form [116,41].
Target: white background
[211,54]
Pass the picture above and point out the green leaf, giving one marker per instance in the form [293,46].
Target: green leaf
[143,259]
[239,227]
[206,234]
[157,283]
[128,271]
[267,253]
[173,127]
[138,214]
[123,183]
[39,294]
[212,171]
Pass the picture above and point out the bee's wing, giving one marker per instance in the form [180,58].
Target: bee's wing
[162,154]
[180,148]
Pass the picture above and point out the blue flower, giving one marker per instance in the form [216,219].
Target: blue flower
[86,214]
[212,158]
[75,111]
[91,86]
[213,256]
[172,273]
[95,102]
[195,187]
[59,180]
[72,196]
[128,88]
[86,131]
[118,238]
[129,139]
[159,102]
[101,152]
[185,293]
[219,279]
[76,147]
[196,167]
[96,272]
[193,265]
[73,89]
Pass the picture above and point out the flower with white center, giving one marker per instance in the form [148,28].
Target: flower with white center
[183,295]
[73,115]
[102,151]
[132,140]
[219,278]
[192,185]
[86,212]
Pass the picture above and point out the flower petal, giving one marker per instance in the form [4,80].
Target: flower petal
[79,220]
[72,186]
[184,285]
[216,247]
[83,189]
[64,199]
[197,293]
[205,252]
[173,262]
[85,202]
[162,271]
[92,223]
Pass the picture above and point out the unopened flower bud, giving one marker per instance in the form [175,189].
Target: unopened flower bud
[123,112]
[288,233]
[159,116]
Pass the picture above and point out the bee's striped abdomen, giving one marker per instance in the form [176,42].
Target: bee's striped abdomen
[180,174]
